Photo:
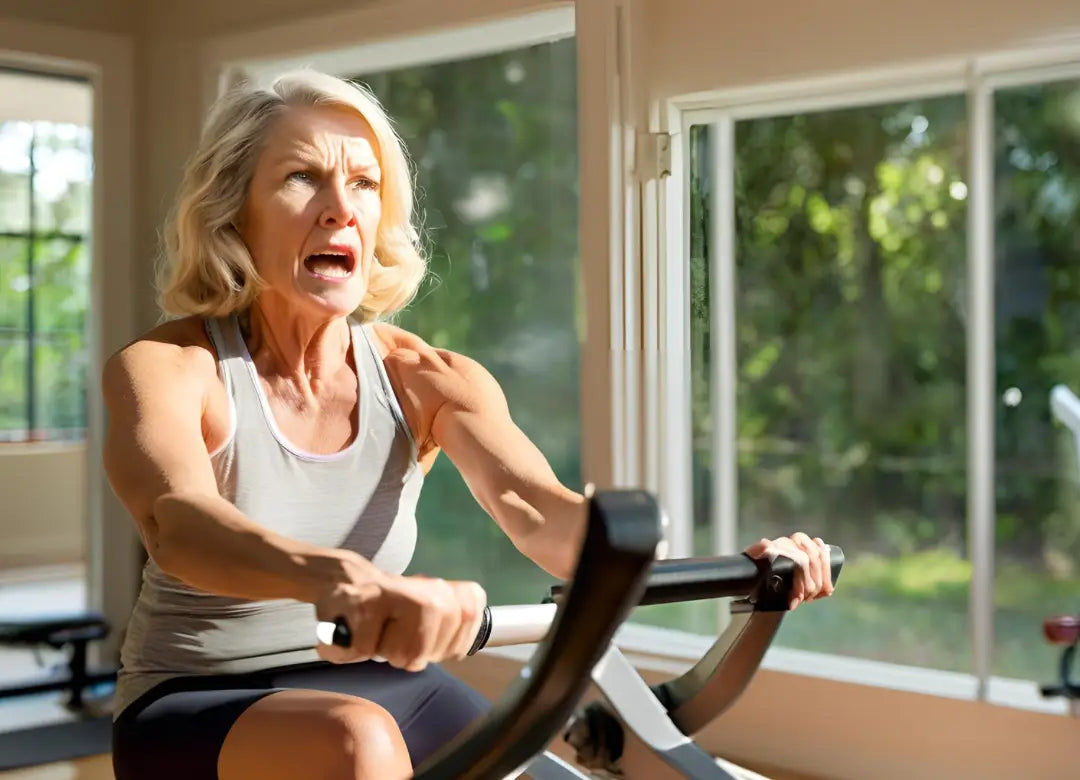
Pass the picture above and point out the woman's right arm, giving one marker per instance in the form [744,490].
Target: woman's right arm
[156,460]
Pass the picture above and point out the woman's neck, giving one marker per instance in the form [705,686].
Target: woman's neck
[305,351]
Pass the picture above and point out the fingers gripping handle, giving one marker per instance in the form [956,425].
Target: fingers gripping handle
[336,632]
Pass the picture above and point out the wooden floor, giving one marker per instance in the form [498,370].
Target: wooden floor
[100,768]
[30,592]
[96,768]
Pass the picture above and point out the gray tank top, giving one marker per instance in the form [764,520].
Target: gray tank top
[362,498]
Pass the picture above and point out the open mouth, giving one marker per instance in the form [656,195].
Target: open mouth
[331,264]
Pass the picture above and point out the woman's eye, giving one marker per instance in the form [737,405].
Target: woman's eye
[366,184]
[301,176]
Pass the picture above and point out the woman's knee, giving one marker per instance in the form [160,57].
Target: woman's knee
[368,741]
[307,734]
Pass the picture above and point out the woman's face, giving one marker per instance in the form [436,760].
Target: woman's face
[313,208]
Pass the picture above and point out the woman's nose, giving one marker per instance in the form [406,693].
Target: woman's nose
[337,210]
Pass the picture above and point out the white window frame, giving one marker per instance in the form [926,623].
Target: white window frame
[977,77]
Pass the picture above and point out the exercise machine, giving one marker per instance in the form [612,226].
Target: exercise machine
[1064,630]
[574,626]
[666,716]
[71,633]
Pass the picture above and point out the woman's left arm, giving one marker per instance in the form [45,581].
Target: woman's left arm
[456,405]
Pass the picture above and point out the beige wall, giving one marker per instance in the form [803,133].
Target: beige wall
[693,46]
[196,18]
[43,519]
[109,16]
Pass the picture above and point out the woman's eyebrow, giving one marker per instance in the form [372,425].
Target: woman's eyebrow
[303,157]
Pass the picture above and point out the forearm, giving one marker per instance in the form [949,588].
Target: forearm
[542,517]
[209,544]
[546,523]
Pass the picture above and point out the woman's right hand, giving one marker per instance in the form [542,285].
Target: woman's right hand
[407,621]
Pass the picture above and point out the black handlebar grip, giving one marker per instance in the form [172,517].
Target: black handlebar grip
[342,634]
[725,576]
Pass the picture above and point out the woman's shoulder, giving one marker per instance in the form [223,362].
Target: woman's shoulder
[409,359]
[174,349]
[389,337]
[394,339]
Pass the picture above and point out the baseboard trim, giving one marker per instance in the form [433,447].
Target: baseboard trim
[41,551]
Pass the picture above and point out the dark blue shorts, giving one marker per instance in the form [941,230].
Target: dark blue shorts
[176,730]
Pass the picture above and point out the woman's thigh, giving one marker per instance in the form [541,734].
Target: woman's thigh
[303,733]
[176,731]
[430,707]
[182,730]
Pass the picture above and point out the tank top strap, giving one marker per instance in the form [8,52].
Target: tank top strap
[224,333]
[234,363]
[374,371]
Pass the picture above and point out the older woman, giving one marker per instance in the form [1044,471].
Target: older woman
[270,441]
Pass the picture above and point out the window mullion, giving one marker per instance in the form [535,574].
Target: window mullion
[31,389]
[723,360]
[981,384]
[673,421]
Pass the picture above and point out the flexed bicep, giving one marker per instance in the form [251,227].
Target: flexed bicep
[459,407]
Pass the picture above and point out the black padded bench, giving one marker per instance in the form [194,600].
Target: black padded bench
[59,631]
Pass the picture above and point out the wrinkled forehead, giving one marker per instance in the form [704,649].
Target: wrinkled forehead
[320,132]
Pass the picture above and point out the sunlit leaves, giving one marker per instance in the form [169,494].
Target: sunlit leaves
[852,320]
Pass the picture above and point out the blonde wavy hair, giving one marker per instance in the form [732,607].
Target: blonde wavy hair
[206,269]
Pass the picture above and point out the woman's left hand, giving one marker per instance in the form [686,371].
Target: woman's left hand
[813,573]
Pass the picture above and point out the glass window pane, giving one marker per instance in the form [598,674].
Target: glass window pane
[61,288]
[13,407]
[1037,192]
[494,144]
[14,283]
[60,363]
[61,285]
[63,169]
[14,176]
[850,347]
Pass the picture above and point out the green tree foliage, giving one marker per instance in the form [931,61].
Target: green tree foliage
[1037,198]
[851,280]
[852,320]
[44,219]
